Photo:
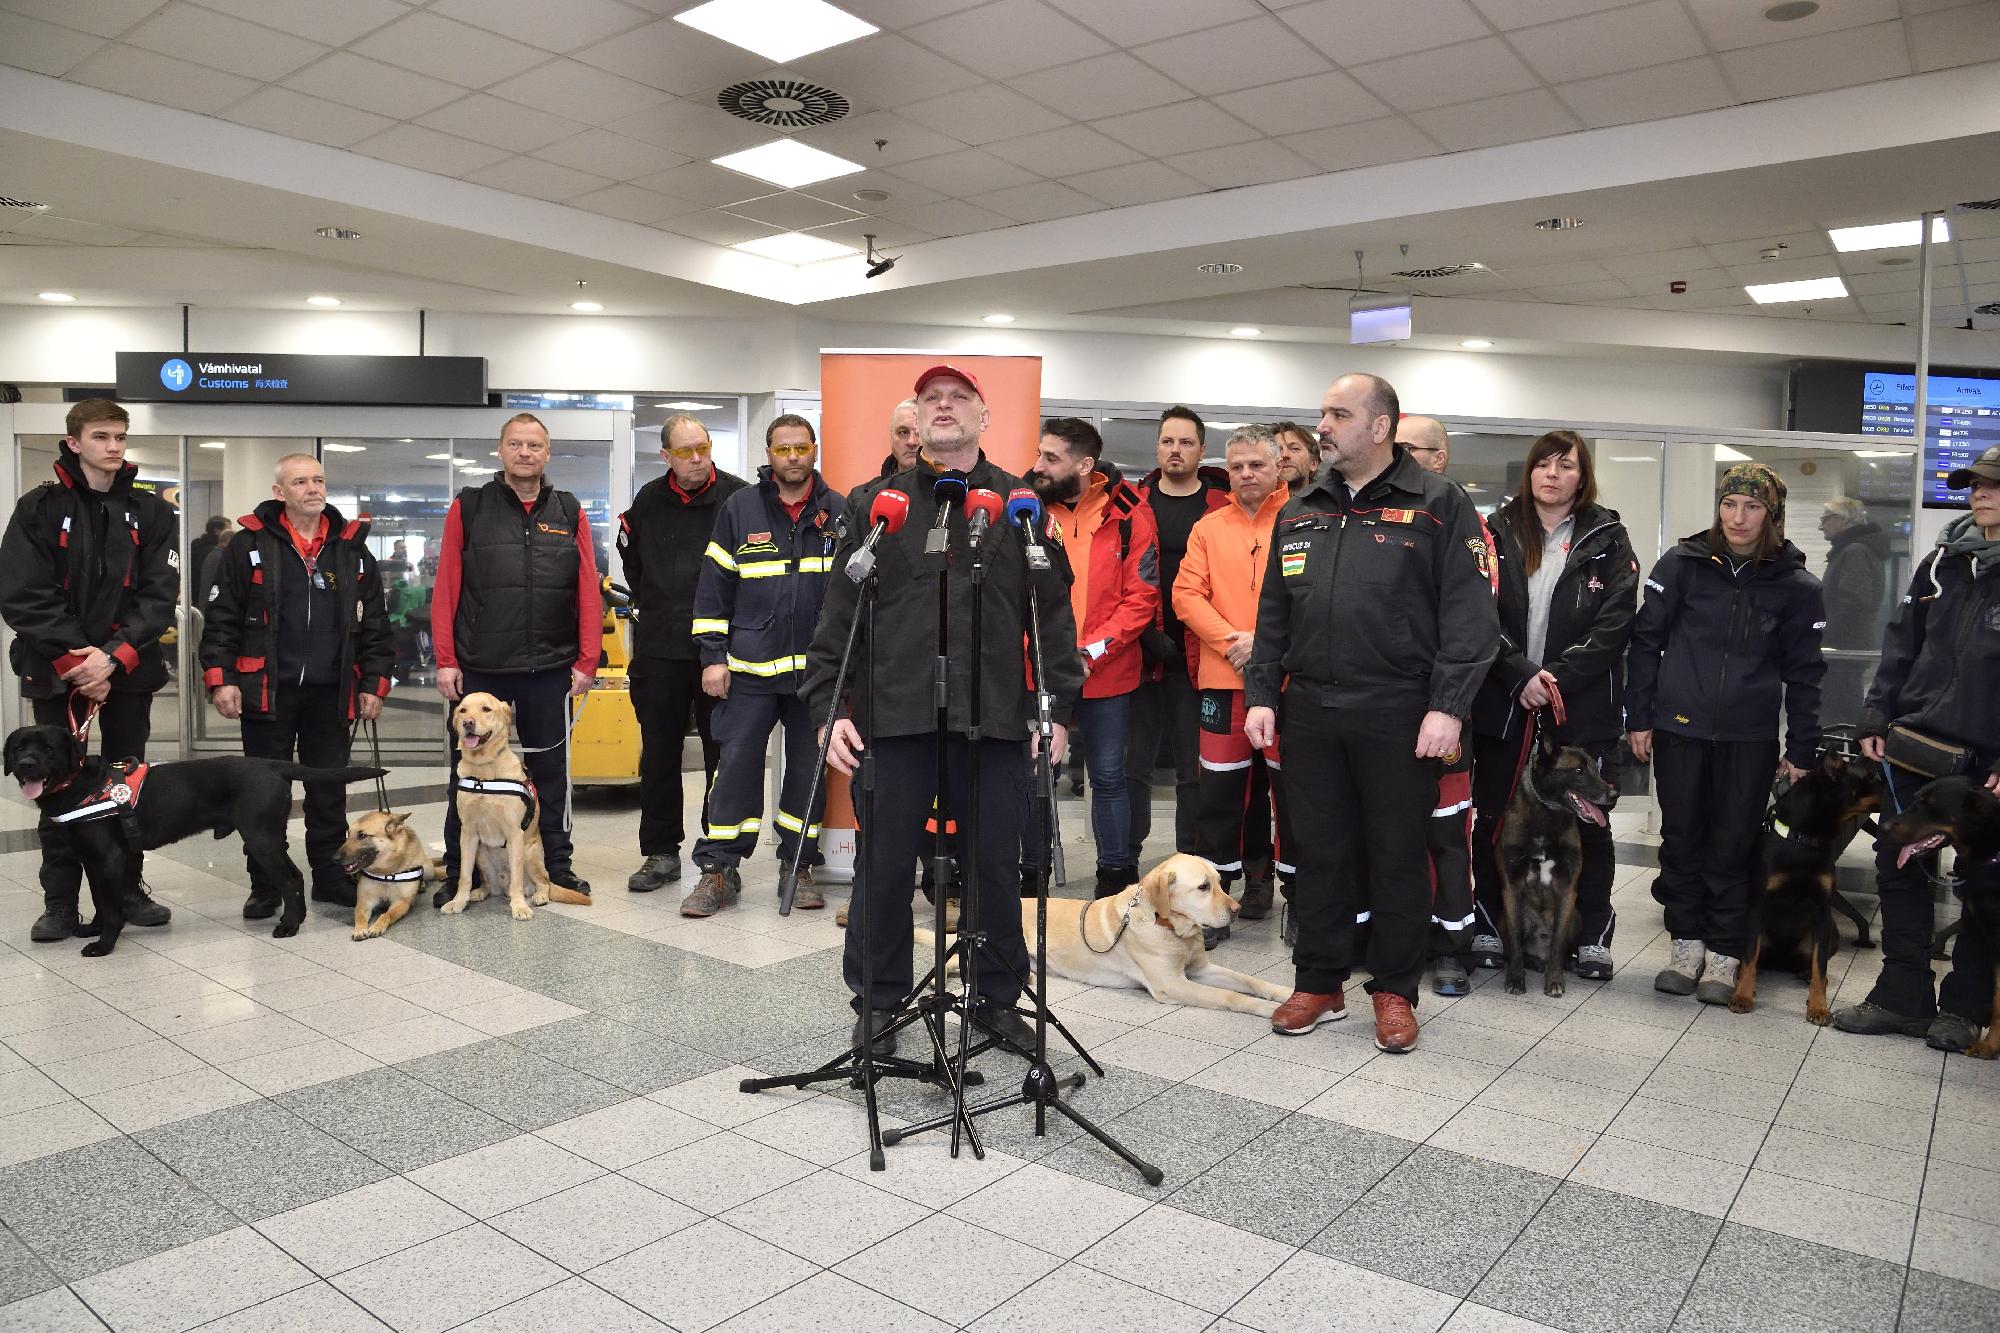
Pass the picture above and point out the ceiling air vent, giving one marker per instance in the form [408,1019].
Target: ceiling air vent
[1990,308]
[1981,205]
[783,102]
[1439,271]
[12,205]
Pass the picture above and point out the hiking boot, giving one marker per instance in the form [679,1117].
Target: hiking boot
[1214,935]
[259,906]
[1593,962]
[1450,977]
[1718,980]
[806,896]
[1306,1011]
[1869,1019]
[1949,1032]
[1681,973]
[1395,1024]
[565,878]
[335,889]
[712,892]
[59,922]
[141,910]
[1110,882]
[1256,903]
[1488,952]
[660,870]
[882,1045]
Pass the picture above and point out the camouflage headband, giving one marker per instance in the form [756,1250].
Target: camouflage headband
[1761,484]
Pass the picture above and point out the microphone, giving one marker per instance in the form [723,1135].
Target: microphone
[981,508]
[948,490]
[885,515]
[1024,510]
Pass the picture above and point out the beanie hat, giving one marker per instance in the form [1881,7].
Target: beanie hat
[1761,484]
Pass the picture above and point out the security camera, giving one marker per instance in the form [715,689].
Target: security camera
[877,264]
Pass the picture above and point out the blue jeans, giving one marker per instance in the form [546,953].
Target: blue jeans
[1102,723]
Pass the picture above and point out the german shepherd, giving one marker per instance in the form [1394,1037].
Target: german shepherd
[1541,855]
[1792,897]
[389,863]
[1962,812]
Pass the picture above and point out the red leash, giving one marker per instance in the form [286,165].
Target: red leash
[81,729]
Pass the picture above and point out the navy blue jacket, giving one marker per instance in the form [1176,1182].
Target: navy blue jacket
[1940,669]
[762,582]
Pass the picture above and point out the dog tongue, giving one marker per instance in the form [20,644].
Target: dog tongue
[1589,811]
[1915,849]
[469,742]
[31,788]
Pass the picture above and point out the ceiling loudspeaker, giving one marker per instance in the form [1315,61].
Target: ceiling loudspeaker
[786,103]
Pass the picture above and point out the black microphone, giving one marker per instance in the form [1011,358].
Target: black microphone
[886,515]
[949,491]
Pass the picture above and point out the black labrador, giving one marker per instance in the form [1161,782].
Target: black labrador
[1541,855]
[110,813]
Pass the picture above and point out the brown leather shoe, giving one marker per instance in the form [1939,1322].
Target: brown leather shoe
[1306,1011]
[711,893]
[1395,1024]
[805,892]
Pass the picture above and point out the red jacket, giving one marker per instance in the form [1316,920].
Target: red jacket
[1114,546]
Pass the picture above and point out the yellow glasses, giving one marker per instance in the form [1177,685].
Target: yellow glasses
[790,450]
[687,451]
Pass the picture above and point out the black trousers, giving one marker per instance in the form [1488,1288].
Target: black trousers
[735,807]
[1163,708]
[1359,843]
[1712,796]
[123,727]
[1496,768]
[307,723]
[663,698]
[892,837]
[541,717]
[1908,922]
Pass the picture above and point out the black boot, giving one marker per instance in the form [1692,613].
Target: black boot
[141,910]
[329,886]
[58,920]
[1256,899]
[1111,881]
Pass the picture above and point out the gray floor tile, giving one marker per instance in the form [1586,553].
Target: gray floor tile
[574,1304]
[1755,1280]
[444,1282]
[54,1311]
[1218,1264]
[1200,1115]
[398,1121]
[193,1284]
[1291,1181]
[700,1276]
[1311,1292]
[1181,1159]
[258,1159]
[597,1221]
[1596,1262]
[315,1309]
[100,1206]
[1075,1297]
[355,1228]
[21,1274]
[518,1086]
[1936,1304]
[830,1303]
[717,1173]
[619,1054]
[904,1266]
[504,1175]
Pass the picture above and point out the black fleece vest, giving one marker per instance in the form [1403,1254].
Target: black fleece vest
[517,590]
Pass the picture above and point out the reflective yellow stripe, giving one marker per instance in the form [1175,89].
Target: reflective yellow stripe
[764,569]
[719,832]
[792,824]
[774,668]
[815,564]
[721,557]
[711,627]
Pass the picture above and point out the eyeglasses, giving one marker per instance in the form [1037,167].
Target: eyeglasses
[687,451]
[790,450]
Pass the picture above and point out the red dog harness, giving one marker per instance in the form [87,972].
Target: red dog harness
[117,795]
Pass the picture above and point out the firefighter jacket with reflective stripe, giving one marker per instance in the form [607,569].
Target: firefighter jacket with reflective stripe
[763,578]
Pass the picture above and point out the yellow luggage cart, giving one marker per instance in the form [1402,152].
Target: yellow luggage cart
[604,730]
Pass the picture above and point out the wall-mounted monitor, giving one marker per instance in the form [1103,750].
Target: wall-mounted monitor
[1961,421]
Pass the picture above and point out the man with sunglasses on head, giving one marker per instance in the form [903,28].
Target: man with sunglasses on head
[663,543]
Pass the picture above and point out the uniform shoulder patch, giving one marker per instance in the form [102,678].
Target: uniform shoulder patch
[1482,558]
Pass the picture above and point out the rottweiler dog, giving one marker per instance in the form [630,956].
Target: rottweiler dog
[1541,855]
[1962,812]
[160,804]
[1791,894]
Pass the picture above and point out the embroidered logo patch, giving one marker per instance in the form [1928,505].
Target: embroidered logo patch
[1292,563]
[1399,515]
[552,530]
[1481,557]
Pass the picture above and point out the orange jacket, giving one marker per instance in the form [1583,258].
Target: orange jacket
[1114,548]
[1215,593]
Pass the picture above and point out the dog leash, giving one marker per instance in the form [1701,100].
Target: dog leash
[375,756]
[1123,923]
[81,729]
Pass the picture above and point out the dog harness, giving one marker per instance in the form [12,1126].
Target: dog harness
[118,794]
[504,787]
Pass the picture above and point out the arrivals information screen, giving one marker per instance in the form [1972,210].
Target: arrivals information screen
[1962,422]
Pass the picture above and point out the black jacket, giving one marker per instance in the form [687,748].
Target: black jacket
[661,541]
[1940,670]
[1714,646]
[59,589]
[1857,579]
[906,621]
[519,571]
[763,582]
[255,635]
[1378,600]
[1590,620]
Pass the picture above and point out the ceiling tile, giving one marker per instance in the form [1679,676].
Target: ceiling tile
[1223,59]
[612,156]
[1037,202]
[969,171]
[335,25]
[1556,274]
[1957,36]
[704,185]
[1814,64]
[1506,14]
[314,119]
[1581,292]
[889,69]
[1101,86]
[1655,263]
[1747,249]
[373,86]
[1243,164]
[1138,183]
[983,114]
[692,129]
[854,139]
[437,46]
[1065,152]
[103,18]
[1664,91]
[1729,24]
[1132,22]
[1184,127]
[1889,282]
[718,228]
[1462,73]
[27,43]
[158,78]
[673,58]
[428,150]
[1514,118]
[632,204]
[1784,270]
[790,211]
[902,193]
[1316,102]
[75,232]
[888,235]
[1365,145]
[579,92]
[537,179]
[1584,48]
[881,13]
[483,118]
[950,217]
[548,27]
[1008,37]
[221,42]
[1354,32]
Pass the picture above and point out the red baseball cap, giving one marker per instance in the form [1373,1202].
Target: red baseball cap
[953,371]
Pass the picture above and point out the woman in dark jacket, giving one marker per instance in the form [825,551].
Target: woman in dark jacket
[1568,587]
[1730,623]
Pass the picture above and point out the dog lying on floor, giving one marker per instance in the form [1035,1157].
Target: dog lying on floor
[500,831]
[112,813]
[1148,936]
[1541,856]
[389,863]
[1962,812]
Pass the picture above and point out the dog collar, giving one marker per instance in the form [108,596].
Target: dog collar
[1528,781]
[400,877]
[1785,831]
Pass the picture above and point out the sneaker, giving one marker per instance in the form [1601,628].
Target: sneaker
[1718,979]
[1593,962]
[1869,1019]
[805,892]
[565,878]
[660,870]
[1450,978]
[1395,1024]
[883,1044]
[1488,952]
[1306,1011]
[712,892]
[1679,976]
[1949,1032]
[58,923]
[1256,900]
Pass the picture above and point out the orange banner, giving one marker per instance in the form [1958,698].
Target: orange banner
[859,391]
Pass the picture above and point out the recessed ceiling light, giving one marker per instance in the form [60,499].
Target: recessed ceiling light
[438,458]
[1807,289]
[694,407]
[587,307]
[787,163]
[871,196]
[1246,331]
[323,300]
[796,247]
[1632,458]
[1886,235]
[997,318]
[1476,344]
[1219,268]
[60,298]
[344,448]
[778,30]
[1558,224]
[1791,11]
[214,444]
[337,233]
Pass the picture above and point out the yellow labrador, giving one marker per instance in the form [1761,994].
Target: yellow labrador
[498,829]
[389,863]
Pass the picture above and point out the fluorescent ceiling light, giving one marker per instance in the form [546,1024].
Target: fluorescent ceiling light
[997,318]
[1886,235]
[60,298]
[323,300]
[1884,453]
[1724,454]
[1633,458]
[694,407]
[345,448]
[587,307]
[438,458]
[778,30]
[1246,331]
[788,163]
[1476,344]
[213,444]
[1808,289]
[795,247]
